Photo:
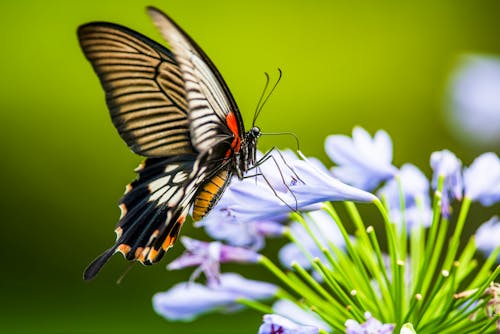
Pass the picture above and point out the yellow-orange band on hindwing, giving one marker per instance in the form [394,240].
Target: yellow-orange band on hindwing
[209,194]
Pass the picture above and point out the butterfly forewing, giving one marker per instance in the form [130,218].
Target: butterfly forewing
[210,101]
[144,89]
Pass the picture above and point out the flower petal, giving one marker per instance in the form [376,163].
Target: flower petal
[482,179]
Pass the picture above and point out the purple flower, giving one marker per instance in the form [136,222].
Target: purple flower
[370,326]
[415,188]
[474,106]
[323,227]
[296,184]
[446,164]
[362,161]
[185,301]
[482,179]
[208,256]
[290,310]
[488,236]
[223,225]
[276,324]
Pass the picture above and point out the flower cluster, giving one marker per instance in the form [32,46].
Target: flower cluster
[336,282]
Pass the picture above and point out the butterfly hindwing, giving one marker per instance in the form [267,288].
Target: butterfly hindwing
[213,113]
[154,206]
[144,88]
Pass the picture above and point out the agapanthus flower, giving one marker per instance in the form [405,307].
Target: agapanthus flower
[482,179]
[488,236]
[415,189]
[474,101]
[323,227]
[187,300]
[445,164]
[296,185]
[370,326]
[276,324]
[208,256]
[362,161]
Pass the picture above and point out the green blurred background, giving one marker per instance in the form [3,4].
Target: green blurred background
[379,64]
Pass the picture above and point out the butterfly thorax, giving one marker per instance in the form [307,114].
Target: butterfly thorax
[247,156]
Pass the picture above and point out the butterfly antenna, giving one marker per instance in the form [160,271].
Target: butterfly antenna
[261,105]
[286,134]
[257,108]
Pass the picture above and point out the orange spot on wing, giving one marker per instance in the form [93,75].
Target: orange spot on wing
[124,249]
[138,253]
[152,254]
[167,243]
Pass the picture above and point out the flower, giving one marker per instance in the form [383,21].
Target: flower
[362,161]
[445,164]
[370,326]
[474,101]
[185,301]
[289,186]
[209,255]
[323,227]
[482,179]
[415,190]
[488,236]
[299,315]
[223,225]
[276,324]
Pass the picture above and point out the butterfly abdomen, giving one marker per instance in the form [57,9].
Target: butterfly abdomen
[208,195]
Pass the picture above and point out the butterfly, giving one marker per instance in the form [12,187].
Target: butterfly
[174,108]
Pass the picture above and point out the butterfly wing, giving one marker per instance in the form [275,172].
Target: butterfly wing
[213,113]
[144,88]
[153,210]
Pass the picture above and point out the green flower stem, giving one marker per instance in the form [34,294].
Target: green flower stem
[465,304]
[402,235]
[333,320]
[332,313]
[258,306]
[312,282]
[349,246]
[417,253]
[485,269]
[428,299]
[358,222]
[460,319]
[431,265]
[393,250]
[447,297]
[489,325]
[455,239]
[382,274]
[357,310]
[369,241]
[399,304]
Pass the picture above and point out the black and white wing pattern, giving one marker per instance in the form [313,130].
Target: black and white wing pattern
[144,88]
[213,113]
[153,209]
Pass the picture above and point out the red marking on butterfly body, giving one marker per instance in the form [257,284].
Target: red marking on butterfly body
[232,124]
